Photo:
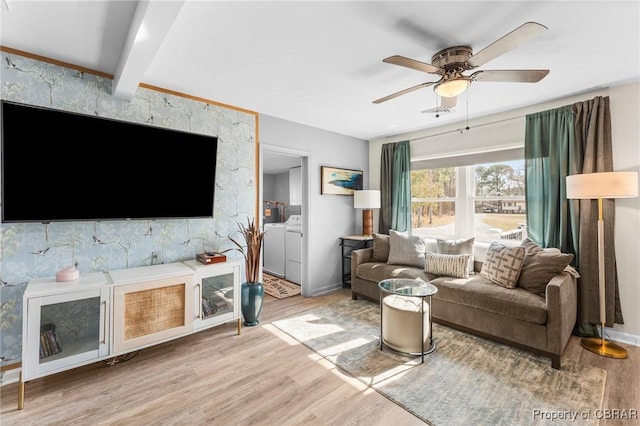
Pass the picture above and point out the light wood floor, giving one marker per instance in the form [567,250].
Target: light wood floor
[261,377]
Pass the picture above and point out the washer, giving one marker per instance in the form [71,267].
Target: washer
[274,250]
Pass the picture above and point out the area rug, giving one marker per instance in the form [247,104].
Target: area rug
[466,380]
[279,288]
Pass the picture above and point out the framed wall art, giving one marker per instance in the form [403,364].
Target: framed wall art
[340,181]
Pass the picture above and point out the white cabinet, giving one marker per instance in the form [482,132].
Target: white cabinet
[65,324]
[295,186]
[216,293]
[104,315]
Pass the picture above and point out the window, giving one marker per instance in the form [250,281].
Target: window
[433,201]
[499,202]
[482,200]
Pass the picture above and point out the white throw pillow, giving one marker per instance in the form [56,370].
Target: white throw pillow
[450,265]
[405,249]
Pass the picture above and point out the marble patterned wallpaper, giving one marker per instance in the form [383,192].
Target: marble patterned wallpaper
[32,250]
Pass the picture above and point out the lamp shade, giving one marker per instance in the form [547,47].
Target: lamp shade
[602,185]
[453,87]
[366,199]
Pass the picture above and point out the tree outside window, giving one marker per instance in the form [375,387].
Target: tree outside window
[433,193]
[495,195]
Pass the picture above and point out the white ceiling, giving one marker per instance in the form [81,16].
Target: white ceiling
[320,63]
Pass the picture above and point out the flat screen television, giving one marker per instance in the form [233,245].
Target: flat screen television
[62,166]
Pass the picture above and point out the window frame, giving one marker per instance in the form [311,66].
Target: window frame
[464,206]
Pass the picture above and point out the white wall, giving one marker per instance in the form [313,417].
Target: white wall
[329,216]
[506,130]
[625,129]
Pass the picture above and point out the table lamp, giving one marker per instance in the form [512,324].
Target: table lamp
[599,186]
[367,200]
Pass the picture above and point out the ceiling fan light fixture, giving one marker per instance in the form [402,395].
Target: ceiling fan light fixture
[453,87]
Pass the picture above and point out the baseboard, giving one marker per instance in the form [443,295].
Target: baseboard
[621,336]
[327,289]
[10,376]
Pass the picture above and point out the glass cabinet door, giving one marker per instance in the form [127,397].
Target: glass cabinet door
[217,295]
[217,291]
[64,330]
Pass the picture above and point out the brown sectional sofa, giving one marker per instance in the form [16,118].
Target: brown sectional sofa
[476,305]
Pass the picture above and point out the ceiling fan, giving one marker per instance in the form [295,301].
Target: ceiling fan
[451,63]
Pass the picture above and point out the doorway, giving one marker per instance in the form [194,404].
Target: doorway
[283,196]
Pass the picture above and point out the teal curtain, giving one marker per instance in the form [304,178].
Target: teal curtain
[571,140]
[386,187]
[395,187]
[401,196]
[551,154]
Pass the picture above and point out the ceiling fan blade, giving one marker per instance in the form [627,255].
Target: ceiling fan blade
[510,76]
[448,103]
[404,92]
[515,38]
[413,64]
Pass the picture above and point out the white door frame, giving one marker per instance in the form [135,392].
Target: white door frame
[305,208]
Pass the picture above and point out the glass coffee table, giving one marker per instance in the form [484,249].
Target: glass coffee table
[405,316]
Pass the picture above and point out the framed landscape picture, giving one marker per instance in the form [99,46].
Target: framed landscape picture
[340,181]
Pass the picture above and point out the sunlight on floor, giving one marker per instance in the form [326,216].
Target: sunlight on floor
[319,329]
[327,356]
[321,360]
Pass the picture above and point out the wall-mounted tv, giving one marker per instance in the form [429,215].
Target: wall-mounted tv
[63,166]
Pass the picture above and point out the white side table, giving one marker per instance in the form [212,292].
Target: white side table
[405,316]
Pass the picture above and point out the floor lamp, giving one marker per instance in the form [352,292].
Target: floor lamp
[367,200]
[599,186]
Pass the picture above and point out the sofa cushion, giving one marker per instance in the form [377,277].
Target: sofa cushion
[376,272]
[405,249]
[380,247]
[452,265]
[461,246]
[503,264]
[540,265]
[481,293]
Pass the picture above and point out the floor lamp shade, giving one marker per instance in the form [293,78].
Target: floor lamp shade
[599,186]
[603,185]
[367,200]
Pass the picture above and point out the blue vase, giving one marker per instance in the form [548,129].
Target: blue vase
[251,303]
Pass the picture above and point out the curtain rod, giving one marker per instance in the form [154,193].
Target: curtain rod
[467,128]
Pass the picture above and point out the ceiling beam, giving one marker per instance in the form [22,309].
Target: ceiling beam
[151,23]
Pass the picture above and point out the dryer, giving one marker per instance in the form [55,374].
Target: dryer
[293,251]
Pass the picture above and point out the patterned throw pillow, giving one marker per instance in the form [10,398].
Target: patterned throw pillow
[380,247]
[458,247]
[405,249]
[540,265]
[450,265]
[503,264]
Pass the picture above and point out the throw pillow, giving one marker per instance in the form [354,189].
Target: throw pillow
[540,265]
[458,247]
[503,264]
[380,248]
[405,249]
[450,265]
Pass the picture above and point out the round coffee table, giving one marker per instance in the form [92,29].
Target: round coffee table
[403,305]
